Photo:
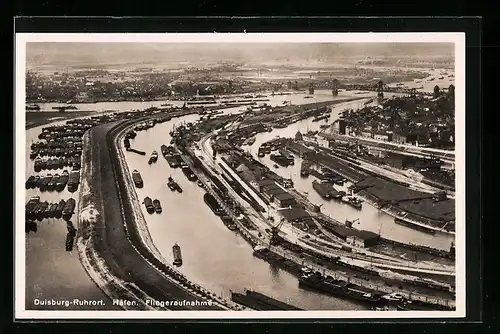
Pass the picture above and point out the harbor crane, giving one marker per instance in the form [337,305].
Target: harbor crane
[275,231]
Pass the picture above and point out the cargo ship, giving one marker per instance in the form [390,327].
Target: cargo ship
[416,227]
[176,250]
[330,286]
[157,206]
[69,209]
[73,180]
[189,174]
[212,204]
[62,181]
[137,178]
[148,203]
[323,189]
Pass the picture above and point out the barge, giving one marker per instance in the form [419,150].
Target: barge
[320,118]
[137,178]
[176,250]
[148,203]
[62,181]
[323,189]
[228,222]
[304,168]
[330,286]
[189,174]
[353,202]
[174,186]
[73,180]
[59,209]
[416,227]
[69,209]
[153,158]
[157,206]
[212,204]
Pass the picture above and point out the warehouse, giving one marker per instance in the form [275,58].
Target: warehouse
[356,238]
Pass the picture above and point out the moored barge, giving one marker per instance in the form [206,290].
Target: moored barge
[73,180]
[69,209]
[414,226]
[212,204]
[148,203]
[137,178]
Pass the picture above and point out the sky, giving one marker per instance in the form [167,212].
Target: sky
[151,54]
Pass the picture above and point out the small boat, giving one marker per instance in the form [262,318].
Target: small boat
[157,206]
[199,183]
[176,250]
[149,205]
[153,158]
[276,166]
[172,184]
[137,178]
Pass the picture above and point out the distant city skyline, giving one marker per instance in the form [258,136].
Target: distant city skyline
[101,55]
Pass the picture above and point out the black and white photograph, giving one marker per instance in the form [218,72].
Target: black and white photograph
[216,175]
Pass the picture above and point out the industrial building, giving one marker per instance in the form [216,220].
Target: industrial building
[357,238]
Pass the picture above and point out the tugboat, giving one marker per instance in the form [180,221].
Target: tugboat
[176,250]
[136,176]
[353,201]
[172,184]
[153,158]
[149,205]
[157,206]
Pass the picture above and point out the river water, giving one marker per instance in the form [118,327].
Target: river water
[214,257]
